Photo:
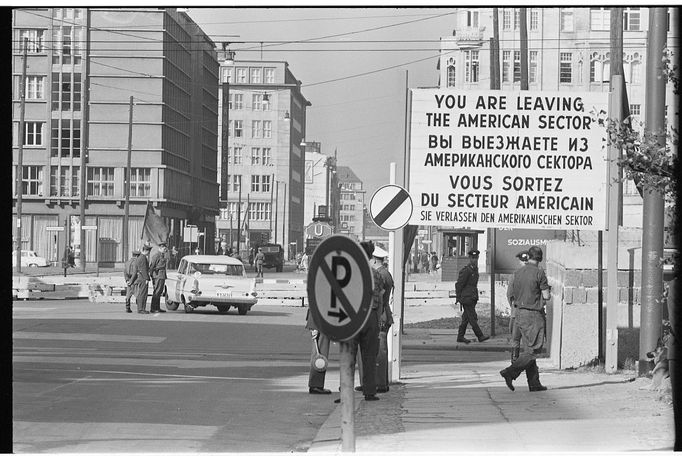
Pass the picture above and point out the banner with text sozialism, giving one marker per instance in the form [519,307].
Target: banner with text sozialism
[496,159]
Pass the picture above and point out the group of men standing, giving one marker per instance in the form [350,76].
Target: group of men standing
[139,270]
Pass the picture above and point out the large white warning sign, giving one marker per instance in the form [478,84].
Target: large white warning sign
[485,159]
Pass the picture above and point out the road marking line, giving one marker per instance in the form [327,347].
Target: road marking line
[88,337]
[32,309]
[179,376]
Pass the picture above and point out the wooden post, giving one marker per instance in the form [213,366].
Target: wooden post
[126,188]
[347,398]
[396,268]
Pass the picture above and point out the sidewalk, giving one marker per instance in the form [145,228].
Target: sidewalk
[466,406]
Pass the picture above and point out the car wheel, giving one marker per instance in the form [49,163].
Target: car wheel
[242,310]
[172,305]
[223,309]
[188,308]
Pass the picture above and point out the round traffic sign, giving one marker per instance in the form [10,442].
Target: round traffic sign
[391,207]
[340,287]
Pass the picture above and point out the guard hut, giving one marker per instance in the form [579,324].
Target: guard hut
[454,247]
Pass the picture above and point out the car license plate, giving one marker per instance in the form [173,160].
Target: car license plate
[224,294]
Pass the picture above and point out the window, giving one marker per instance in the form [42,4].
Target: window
[631,19]
[636,72]
[565,67]
[566,19]
[517,18]
[236,101]
[256,129]
[255,156]
[65,181]
[255,183]
[260,183]
[269,74]
[534,18]
[35,87]
[32,181]
[265,183]
[267,129]
[36,41]
[259,211]
[226,74]
[234,182]
[241,75]
[67,43]
[600,19]
[238,155]
[517,66]
[256,76]
[506,62]
[237,128]
[506,19]
[635,110]
[33,134]
[532,66]
[100,181]
[66,92]
[471,66]
[472,18]
[66,138]
[140,182]
[267,156]
[266,101]
[451,72]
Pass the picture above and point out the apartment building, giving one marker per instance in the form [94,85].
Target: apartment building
[83,67]
[322,192]
[352,204]
[263,165]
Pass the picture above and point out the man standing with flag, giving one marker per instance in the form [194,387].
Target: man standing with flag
[157,271]
[142,281]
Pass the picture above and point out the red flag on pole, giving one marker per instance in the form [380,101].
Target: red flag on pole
[154,228]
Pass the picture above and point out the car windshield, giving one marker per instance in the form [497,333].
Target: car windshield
[217,269]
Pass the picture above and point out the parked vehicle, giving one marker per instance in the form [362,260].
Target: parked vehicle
[274,256]
[217,280]
[29,258]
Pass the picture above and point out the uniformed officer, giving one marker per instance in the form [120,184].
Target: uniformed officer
[529,290]
[466,289]
[385,319]
[142,280]
[130,274]
[316,377]
[513,329]
[157,270]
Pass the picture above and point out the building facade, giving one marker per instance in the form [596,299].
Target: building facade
[83,67]
[352,204]
[321,185]
[263,165]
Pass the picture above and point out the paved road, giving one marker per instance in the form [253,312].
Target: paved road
[91,378]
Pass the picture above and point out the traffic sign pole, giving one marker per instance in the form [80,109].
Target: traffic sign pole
[347,373]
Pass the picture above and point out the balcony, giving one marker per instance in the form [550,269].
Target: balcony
[469,35]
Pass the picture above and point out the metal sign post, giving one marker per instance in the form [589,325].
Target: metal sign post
[339,289]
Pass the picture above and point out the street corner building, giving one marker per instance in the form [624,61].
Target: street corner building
[83,68]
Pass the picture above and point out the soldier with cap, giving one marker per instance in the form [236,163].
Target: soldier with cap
[157,270]
[142,281]
[466,289]
[513,329]
[385,319]
[130,274]
[529,290]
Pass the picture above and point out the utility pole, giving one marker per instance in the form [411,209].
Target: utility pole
[85,142]
[523,31]
[495,52]
[652,224]
[272,190]
[126,187]
[239,217]
[20,154]
[276,207]
[284,217]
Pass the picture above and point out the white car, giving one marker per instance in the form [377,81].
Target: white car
[29,259]
[217,280]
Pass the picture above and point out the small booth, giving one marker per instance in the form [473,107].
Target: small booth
[455,246]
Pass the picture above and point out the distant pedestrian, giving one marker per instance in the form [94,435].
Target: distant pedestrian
[259,260]
[321,347]
[434,262]
[197,251]
[425,262]
[466,292]
[513,328]
[142,281]
[130,274]
[173,262]
[157,271]
[529,290]
[303,264]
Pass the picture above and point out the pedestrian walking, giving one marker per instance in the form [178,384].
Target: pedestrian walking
[320,347]
[466,292]
[434,262]
[385,318]
[157,271]
[259,260]
[425,262]
[130,274]
[513,328]
[529,290]
[303,264]
[142,281]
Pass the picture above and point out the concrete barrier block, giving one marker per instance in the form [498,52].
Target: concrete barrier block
[592,295]
[579,295]
[568,295]
[623,278]
[579,345]
[590,278]
[573,278]
[623,295]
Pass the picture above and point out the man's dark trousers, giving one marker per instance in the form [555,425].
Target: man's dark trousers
[469,317]
[130,292]
[532,327]
[141,297]
[157,293]
[368,339]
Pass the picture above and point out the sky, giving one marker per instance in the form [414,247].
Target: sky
[354,65]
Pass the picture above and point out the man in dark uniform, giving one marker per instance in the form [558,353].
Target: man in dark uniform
[385,319]
[142,281]
[157,271]
[130,274]
[316,378]
[466,289]
[513,328]
[529,290]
